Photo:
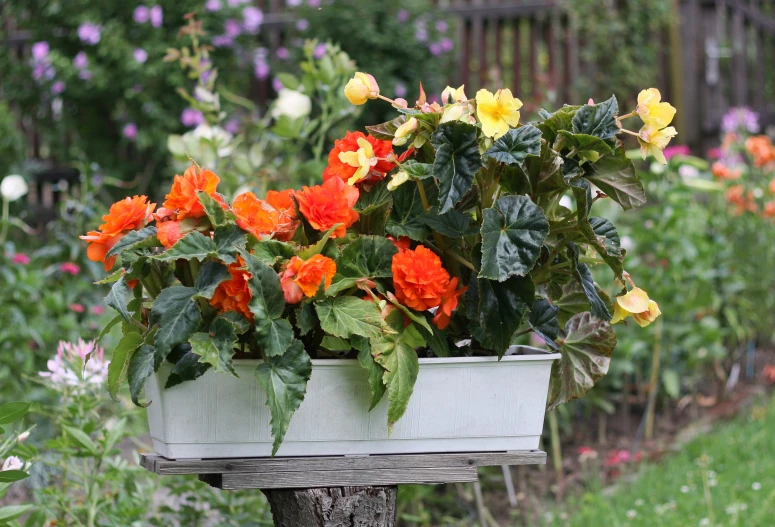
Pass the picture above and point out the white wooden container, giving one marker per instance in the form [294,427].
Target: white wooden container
[467,404]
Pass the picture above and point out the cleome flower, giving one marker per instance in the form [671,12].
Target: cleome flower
[303,277]
[69,369]
[343,169]
[329,204]
[497,112]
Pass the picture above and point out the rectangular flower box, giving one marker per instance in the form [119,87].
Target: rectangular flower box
[465,404]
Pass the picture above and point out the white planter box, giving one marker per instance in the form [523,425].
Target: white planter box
[469,404]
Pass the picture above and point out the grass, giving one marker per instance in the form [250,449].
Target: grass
[723,478]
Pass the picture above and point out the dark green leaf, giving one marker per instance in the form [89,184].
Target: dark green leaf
[215,212]
[118,298]
[240,323]
[396,354]
[545,172]
[187,368]
[308,252]
[375,198]
[344,316]
[457,160]
[615,175]
[374,370]
[562,119]
[435,338]
[502,307]
[193,245]
[271,251]
[145,237]
[598,307]
[453,224]
[597,119]
[584,143]
[284,380]
[306,319]
[405,219]
[13,411]
[140,368]
[216,347]
[119,363]
[513,232]
[275,337]
[387,131]
[171,300]
[268,301]
[210,276]
[178,320]
[586,355]
[606,230]
[366,257]
[543,320]
[229,240]
[515,145]
[417,170]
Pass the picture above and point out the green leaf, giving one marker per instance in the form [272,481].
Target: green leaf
[672,383]
[240,323]
[598,307]
[13,411]
[145,237]
[457,161]
[417,170]
[597,119]
[117,369]
[210,276]
[606,230]
[513,232]
[270,252]
[435,338]
[453,224]
[586,355]
[11,476]
[215,213]
[306,319]
[366,257]
[374,370]
[545,172]
[414,316]
[387,131]
[562,119]
[118,298]
[374,199]
[404,219]
[12,512]
[140,368]
[275,337]
[193,245]
[171,300]
[229,240]
[502,307]
[82,438]
[288,81]
[543,321]
[615,175]
[584,143]
[284,380]
[268,300]
[187,368]
[112,277]
[216,347]
[110,325]
[178,317]
[572,301]
[396,353]
[515,145]
[348,315]
[312,250]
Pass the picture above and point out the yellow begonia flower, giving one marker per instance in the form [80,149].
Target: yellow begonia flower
[653,141]
[363,159]
[403,131]
[361,88]
[654,113]
[497,112]
[451,94]
[636,303]
[398,179]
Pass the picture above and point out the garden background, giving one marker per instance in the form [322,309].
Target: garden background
[101,99]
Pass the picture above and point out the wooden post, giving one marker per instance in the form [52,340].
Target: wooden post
[334,507]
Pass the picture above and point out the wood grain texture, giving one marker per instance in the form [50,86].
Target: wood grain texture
[334,507]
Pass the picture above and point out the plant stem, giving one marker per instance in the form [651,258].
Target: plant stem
[442,247]
[455,257]
[554,429]
[6,214]
[653,382]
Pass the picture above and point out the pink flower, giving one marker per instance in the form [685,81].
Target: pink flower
[69,367]
[678,150]
[81,61]
[213,5]
[252,17]
[618,457]
[12,463]
[76,308]
[58,87]
[191,117]
[140,55]
[40,50]
[157,16]
[141,14]
[130,131]
[320,51]
[89,33]
[20,258]
[714,153]
[97,310]
[70,267]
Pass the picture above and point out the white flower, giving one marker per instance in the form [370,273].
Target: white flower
[219,137]
[13,187]
[69,369]
[756,486]
[684,489]
[12,463]
[291,103]
[688,171]
[631,514]
[23,436]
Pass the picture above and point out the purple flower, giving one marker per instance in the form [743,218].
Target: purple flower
[141,55]
[261,70]
[141,14]
[213,5]
[38,71]
[157,16]
[302,24]
[400,89]
[223,41]
[232,125]
[293,3]
[237,3]
[252,17]
[191,117]
[50,72]
[58,87]
[447,45]
[320,51]
[421,35]
[89,33]
[85,75]
[441,26]
[402,15]
[435,48]
[40,51]
[81,61]
[740,119]
[232,28]
[313,3]
[130,131]
[277,85]
[282,53]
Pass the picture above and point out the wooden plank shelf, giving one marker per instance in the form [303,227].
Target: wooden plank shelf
[339,471]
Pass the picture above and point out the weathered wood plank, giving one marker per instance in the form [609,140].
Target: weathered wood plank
[346,478]
[164,466]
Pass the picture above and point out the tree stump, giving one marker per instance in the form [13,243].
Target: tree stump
[334,507]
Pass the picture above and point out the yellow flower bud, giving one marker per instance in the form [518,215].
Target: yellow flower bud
[398,179]
[404,130]
[361,88]
[451,94]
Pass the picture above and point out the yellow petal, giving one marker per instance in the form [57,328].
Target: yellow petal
[356,92]
[366,146]
[619,314]
[659,115]
[646,97]
[349,158]
[648,316]
[634,301]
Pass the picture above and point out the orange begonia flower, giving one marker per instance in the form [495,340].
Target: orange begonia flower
[234,294]
[257,217]
[769,209]
[723,172]
[182,199]
[402,243]
[169,233]
[349,143]
[419,279]
[328,204]
[448,304]
[303,277]
[761,148]
[126,215]
[282,202]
